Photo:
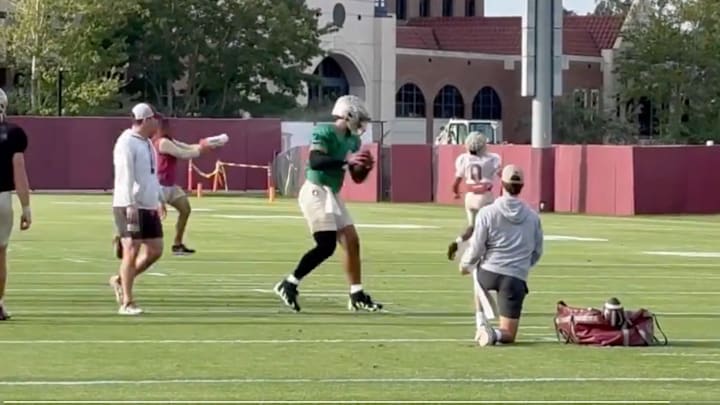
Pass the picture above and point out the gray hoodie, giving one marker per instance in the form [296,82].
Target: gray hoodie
[508,239]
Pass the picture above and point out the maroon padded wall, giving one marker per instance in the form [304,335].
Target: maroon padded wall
[677,179]
[75,153]
[411,170]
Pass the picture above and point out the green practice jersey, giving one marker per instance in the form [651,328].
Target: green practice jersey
[325,139]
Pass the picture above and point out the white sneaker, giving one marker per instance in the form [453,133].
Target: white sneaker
[117,288]
[485,336]
[4,315]
[130,310]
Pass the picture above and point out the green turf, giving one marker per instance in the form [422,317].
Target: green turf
[213,332]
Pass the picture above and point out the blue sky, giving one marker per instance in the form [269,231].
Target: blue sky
[516,7]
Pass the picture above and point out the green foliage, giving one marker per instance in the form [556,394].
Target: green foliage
[612,7]
[232,55]
[229,55]
[45,36]
[670,57]
[575,124]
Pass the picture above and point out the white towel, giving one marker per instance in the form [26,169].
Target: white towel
[331,204]
[217,140]
[487,303]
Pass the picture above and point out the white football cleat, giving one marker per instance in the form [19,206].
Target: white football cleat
[130,310]
[485,336]
[117,288]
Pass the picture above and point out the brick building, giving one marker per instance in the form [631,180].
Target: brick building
[448,60]
[420,62]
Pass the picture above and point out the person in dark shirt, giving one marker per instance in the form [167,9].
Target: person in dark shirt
[13,177]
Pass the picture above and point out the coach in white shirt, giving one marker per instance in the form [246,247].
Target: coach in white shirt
[138,207]
[506,243]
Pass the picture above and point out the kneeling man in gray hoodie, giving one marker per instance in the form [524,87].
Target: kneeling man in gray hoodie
[506,243]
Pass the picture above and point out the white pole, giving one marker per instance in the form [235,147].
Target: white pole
[542,101]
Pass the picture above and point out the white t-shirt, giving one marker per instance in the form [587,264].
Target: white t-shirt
[477,169]
[135,163]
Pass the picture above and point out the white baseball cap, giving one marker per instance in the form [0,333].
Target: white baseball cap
[512,174]
[143,111]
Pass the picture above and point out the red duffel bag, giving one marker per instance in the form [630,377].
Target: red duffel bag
[612,326]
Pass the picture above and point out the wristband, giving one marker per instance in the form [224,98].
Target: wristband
[459,240]
[26,211]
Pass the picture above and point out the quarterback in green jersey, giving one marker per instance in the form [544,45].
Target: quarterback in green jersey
[334,148]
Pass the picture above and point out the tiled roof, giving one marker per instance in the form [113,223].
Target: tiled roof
[583,35]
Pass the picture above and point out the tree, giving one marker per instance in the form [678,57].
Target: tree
[612,7]
[158,39]
[576,124]
[232,55]
[669,60]
[76,36]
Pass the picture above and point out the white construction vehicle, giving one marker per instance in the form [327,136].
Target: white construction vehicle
[456,130]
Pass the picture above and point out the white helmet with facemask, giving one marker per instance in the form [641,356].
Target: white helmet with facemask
[476,143]
[353,110]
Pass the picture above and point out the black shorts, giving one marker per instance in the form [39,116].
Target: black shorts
[149,224]
[511,292]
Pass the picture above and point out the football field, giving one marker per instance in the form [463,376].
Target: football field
[215,331]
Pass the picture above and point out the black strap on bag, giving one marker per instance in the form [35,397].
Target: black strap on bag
[562,336]
[655,339]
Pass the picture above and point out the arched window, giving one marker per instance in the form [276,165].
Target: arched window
[647,117]
[469,8]
[449,103]
[424,8]
[447,8]
[333,83]
[401,9]
[410,102]
[487,105]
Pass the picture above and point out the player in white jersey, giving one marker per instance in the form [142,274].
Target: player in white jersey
[477,169]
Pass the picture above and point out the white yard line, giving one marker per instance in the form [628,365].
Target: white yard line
[322,293]
[318,293]
[229,276]
[472,322]
[282,381]
[230,341]
[324,402]
[684,254]
[77,260]
[439,261]
[673,354]
[408,314]
[544,338]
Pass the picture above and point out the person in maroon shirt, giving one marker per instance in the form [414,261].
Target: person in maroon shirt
[169,151]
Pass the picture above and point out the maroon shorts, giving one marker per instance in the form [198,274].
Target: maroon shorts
[149,224]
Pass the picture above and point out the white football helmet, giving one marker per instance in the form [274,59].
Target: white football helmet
[3,103]
[614,313]
[476,142]
[353,110]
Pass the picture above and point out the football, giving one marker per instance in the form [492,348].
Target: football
[367,158]
[359,172]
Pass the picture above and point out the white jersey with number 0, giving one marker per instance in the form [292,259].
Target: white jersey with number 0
[477,169]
